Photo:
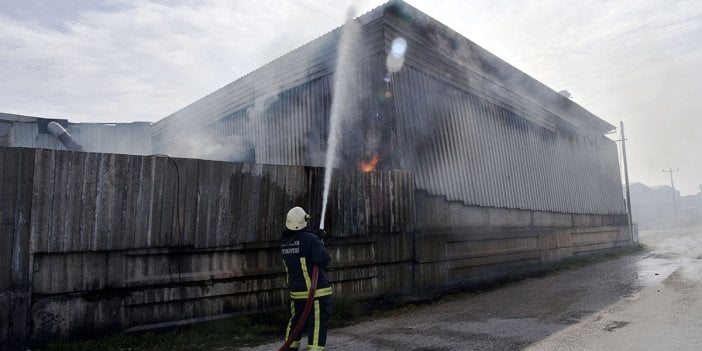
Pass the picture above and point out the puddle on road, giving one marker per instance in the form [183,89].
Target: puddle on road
[653,270]
[679,249]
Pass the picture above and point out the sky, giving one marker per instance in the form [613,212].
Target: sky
[636,61]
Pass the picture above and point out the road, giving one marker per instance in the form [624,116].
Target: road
[647,301]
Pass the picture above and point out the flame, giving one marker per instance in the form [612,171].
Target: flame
[368,166]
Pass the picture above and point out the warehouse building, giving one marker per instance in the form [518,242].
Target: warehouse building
[471,127]
[510,175]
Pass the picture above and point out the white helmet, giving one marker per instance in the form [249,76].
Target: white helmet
[297,219]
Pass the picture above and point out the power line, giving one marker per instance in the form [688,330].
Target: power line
[672,185]
[317,10]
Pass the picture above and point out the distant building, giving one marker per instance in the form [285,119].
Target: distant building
[691,208]
[119,138]
[657,207]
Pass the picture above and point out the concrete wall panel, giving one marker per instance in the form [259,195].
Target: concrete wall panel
[509,218]
[551,220]
[580,220]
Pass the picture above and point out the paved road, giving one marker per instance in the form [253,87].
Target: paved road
[648,301]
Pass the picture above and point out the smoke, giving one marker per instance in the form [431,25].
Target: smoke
[343,99]
[207,145]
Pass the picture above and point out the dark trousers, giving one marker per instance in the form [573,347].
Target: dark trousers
[316,325]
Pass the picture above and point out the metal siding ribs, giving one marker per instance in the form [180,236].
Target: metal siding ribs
[500,160]
[466,132]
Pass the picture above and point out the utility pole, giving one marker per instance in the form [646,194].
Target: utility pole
[626,183]
[672,185]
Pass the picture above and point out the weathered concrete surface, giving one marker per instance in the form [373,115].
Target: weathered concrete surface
[648,301]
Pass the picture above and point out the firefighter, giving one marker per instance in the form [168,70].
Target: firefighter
[302,249]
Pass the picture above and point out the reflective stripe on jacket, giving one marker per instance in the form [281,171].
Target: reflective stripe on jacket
[301,251]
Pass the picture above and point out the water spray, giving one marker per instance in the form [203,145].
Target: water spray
[344,75]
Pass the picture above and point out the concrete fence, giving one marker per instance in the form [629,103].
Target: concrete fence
[98,243]
[103,242]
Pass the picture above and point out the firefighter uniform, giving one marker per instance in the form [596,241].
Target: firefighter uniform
[301,250]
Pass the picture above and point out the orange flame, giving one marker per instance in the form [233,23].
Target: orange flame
[368,166]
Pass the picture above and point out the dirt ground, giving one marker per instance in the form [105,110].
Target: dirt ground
[647,301]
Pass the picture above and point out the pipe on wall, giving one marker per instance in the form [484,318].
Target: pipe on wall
[62,135]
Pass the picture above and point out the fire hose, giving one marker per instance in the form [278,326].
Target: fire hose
[305,311]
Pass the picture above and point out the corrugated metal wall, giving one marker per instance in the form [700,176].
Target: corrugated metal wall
[115,138]
[283,108]
[457,144]
[465,122]
[478,153]
[121,138]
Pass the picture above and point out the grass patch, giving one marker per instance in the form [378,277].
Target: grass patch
[224,334]
[221,334]
[345,311]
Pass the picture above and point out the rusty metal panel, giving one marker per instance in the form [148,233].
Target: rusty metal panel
[96,202]
[43,186]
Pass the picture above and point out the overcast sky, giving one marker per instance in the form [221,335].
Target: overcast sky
[637,61]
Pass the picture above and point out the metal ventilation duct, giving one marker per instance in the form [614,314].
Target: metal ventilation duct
[62,135]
